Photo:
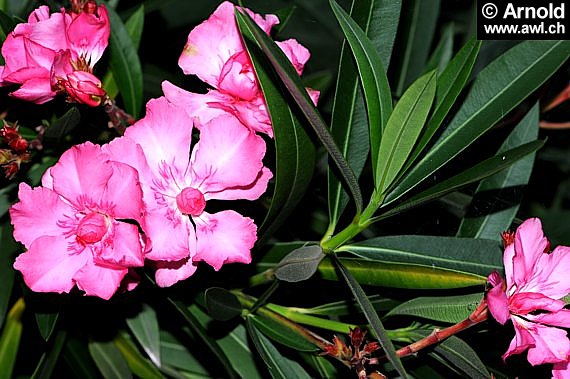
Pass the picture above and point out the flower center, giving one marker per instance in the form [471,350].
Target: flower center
[92,228]
[191,201]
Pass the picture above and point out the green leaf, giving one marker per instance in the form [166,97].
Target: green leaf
[449,84]
[10,338]
[76,356]
[139,365]
[349,125]
[480,171]
[373,79]
[278,332]
[234,346]
[175,354]
[134,26]
[451,309]
[403,129]
[144,327]
[279,366]
[345,307]
[371,316]
[300,264]
[321,365]
[417,27]
[197,320]
[109,360]
[49,360]
[63,125]
[46,323]
[497,198]
[221,304]
[459,354]
[126,65]
[295,153]
[443,52]
[476,256]
[289,78]
[498,88]
[7,272]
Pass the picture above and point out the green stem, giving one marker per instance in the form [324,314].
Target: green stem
[263,277]
[263,299]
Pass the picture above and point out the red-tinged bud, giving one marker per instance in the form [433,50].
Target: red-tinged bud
[356,337]
[90,7]
[19,145]
[9,133]
[84,88]
[508,238]
[371,347]
[11,169]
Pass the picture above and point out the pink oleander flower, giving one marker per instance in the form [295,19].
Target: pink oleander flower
[536,280]
[225,164]
[84,88]
[41,53]
[216,54]
[79,225]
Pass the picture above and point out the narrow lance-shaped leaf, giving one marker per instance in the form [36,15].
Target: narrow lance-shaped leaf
[497,198]
[109,360]
[497,89]
[443,52]
[144,327]
[7,272]
[279,366]
[292,82]
[50,358]
[480,171]
[349,126]
[295,153]
[10,338]
[403,128]
[449,85]
[372,79]
[372,317]
[126,65]
[139,365]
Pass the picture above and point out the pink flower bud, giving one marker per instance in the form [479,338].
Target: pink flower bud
[84,88]
[191,201]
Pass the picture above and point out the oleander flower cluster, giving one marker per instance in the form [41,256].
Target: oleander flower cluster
[56,53]
[144,198]
[536,281]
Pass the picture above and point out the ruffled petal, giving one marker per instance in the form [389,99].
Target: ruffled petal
[559,318]
[37,214]
[125,150]
[224,237]
[170,273]
[497,299]
[164,134]
[550,276]
[48,266]
[122,249]
[551,345]
[530,245]
[35,90]
[522,303]
[100,281]
[522,340]
[560,370]
[297,54]
[172,235]
[227,155]
[251,192]
[81,175]
[124,192]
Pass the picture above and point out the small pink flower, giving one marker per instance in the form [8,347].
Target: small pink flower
[216,54]
[75,228]
[84,88]
[38,48]
[536,280]
[225,164]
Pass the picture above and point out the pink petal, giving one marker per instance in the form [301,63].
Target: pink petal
[559,318]
[237,77]
[252,113]
[169,273]
[530,244]
[196,105]
[81,175]
[550,276]
[125,150]
[124,192]
[523,338]
[124,249]
[100,281]
[497,299]
[508,260]
[164,134]
[314,95]
[51,32]
[88,34]
[48,266]
[251,192]
[35,90]
[224,237]
[297,54]
[37,214]
[560,370]
[227,155]
[172,235]
[551,345]
[522,303]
